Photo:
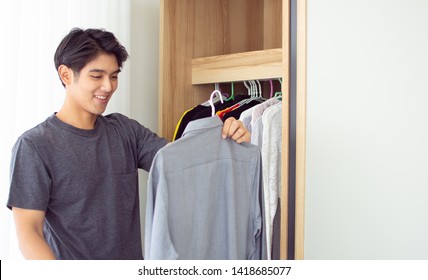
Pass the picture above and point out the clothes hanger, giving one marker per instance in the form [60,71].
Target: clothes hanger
[211,102]
[260,93]
[232,94]
[217,98]
[255,91]
[279,93]
[249,87]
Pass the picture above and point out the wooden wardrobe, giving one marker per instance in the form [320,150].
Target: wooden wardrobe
[203,42]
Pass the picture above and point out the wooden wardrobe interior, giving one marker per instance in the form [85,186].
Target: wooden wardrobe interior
[203,42]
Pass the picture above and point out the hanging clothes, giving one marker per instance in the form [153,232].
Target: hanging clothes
[205,198]
[245,118]
[237,112]
[185,119]
[255,113]
[255,124]
[201,111]
[271,161]
[265,123]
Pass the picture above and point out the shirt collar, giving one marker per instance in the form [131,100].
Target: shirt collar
[197,126]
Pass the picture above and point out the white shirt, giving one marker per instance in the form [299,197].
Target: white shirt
[271,162]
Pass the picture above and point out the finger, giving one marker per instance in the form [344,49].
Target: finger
[235,129]
[242,135]
[226,127]
[237,133]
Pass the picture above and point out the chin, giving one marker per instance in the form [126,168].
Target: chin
[98,111]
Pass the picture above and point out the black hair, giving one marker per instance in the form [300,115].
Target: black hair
[79,47]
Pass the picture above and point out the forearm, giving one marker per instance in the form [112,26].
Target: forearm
[34,247]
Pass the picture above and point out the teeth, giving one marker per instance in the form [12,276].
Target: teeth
[101,97]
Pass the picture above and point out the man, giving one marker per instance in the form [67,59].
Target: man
[74,179]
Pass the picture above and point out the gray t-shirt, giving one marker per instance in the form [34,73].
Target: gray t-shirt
[87,182]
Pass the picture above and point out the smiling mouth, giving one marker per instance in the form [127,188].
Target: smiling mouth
[102,97]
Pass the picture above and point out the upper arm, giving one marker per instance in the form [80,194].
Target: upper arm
[29,230]
[28,220]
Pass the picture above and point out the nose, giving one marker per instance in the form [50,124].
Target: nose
[107,85]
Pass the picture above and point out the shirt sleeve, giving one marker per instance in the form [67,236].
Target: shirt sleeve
[158,243]
[30,182]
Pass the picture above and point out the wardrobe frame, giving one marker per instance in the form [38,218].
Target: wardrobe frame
[204,42]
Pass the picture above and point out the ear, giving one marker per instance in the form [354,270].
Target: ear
[65,74]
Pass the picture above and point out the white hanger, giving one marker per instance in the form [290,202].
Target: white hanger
[252,89]
[248,88]
[212,103]
[253,92]
[217,87]
[260,95]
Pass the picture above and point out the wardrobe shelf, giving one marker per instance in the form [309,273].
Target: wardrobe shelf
[254,65]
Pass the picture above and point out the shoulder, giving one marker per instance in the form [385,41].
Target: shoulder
[117,119]
[122,123]
[41,132]
[38,136]
[127,125]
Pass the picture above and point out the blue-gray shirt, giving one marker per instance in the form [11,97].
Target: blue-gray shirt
[205,198]
[87,182]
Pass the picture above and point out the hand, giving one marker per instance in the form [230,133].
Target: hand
[236,130]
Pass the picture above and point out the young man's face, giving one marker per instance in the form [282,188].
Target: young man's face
[93,87]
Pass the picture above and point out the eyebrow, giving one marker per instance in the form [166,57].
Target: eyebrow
[103,71]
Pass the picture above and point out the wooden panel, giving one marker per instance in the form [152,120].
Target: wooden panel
[272,24]
[211,28]
[245,26]
[191,29]
[285,131]
[176,29]
[300,130]
[256,65]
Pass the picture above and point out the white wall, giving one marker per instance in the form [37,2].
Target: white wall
[144,62]
[367,130]
[144,59]
[30,32]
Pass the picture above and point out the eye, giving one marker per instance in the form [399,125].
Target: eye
[114,77]
[96,77]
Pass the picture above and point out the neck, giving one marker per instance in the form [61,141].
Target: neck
[82,121]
